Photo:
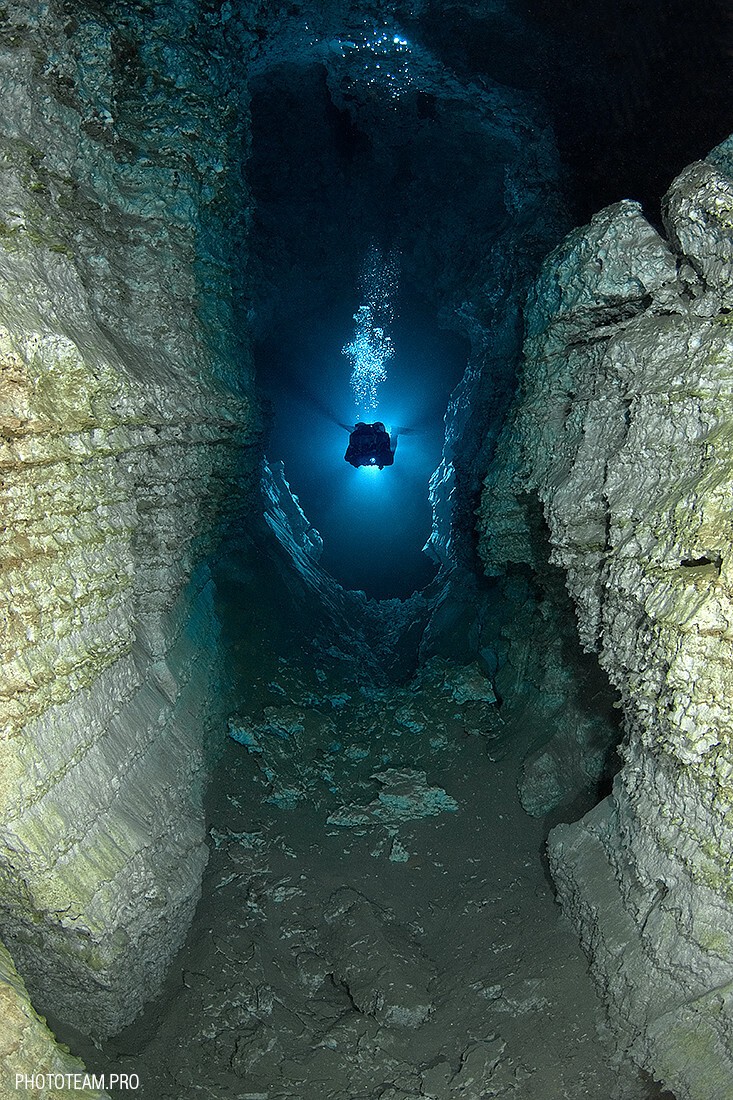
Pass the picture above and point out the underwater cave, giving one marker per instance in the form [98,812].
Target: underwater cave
[407,777]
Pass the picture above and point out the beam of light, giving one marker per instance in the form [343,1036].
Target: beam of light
[371,346]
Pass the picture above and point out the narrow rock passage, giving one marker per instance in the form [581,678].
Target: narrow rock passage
[375,921]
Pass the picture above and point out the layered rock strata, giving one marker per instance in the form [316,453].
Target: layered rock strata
[622,431]
[121,439]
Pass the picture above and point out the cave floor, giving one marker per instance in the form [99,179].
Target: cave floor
[376,918]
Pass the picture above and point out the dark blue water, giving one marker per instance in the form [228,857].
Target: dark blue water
[374,523]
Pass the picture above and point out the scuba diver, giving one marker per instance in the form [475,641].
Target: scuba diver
[370,445]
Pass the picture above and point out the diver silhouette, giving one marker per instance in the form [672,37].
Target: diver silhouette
[370,445]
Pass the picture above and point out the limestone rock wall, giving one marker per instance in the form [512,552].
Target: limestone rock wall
[622,431]
[29,1055]
[125,433]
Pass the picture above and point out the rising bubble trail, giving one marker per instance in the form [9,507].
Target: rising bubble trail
[371,345]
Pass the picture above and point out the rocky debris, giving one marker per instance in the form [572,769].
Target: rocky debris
[381,732]
[279,747]
[405,796]
[302,758]
[385,976]
[621,434]
[568,718]
[464,684]
[313,971]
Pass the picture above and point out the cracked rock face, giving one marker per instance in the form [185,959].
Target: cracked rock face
[622,432]
[383,973]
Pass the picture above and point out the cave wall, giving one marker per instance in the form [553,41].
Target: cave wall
[126,426]
[29,1054]
[622,432]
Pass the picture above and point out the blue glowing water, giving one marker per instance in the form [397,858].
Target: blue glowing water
[374,522]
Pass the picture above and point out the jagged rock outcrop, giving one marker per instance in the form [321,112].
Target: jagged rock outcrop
[121,438]
[622,432]
[31,1062]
